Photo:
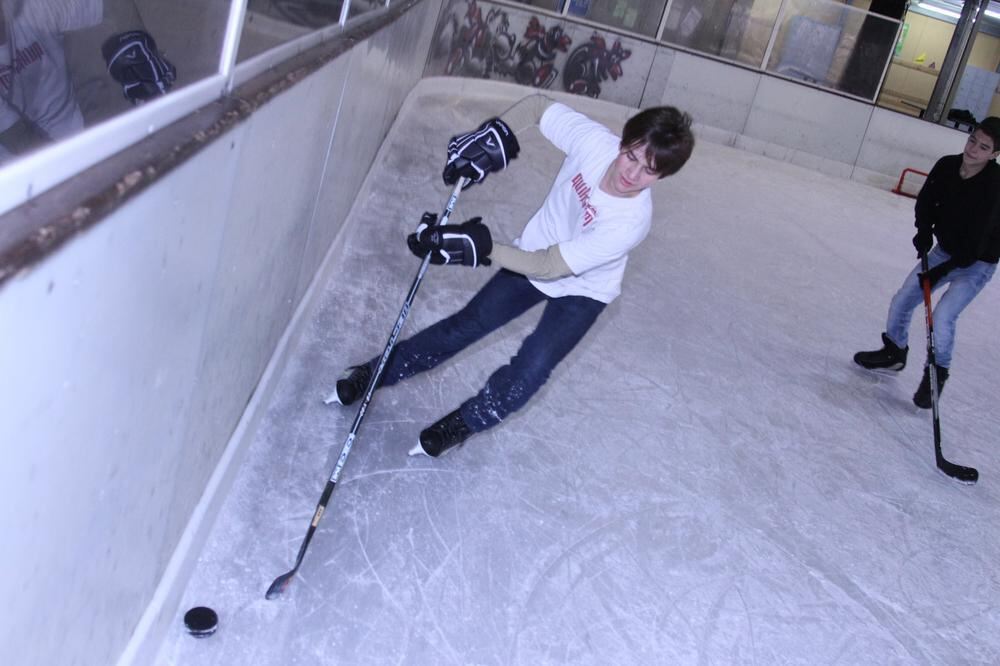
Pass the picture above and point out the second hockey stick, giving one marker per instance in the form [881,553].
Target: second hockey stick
[959,472]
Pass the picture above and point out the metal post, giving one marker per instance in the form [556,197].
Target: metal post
[954,61]
[888,61]
[774,35]
[231,41]
[663,21]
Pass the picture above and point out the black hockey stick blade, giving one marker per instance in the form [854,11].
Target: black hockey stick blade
[968,475]
[281,582]
[279,585]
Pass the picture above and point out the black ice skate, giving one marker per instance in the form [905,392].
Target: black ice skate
[890,357]
[351,387]
[447,433]
[922,398]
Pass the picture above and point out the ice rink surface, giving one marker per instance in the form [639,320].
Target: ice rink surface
[706,479]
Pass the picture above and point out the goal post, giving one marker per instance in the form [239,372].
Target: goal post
[910,182]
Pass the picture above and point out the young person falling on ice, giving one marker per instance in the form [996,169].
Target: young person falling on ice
[571,255]
[960,205]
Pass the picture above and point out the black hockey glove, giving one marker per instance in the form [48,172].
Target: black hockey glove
[923,242]
[935,274]
[134,62]
[473,155]
[469,243]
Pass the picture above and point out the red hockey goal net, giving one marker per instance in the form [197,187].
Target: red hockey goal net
[910,182]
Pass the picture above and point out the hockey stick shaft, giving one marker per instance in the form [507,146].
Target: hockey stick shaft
[281,582]
[960,472]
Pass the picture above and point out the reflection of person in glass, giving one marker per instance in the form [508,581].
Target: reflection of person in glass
[875,40]
[38,101]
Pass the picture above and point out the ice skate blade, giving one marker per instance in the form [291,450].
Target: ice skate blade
[888,371]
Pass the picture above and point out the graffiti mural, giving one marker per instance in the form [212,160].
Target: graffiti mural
[481,40]
[537,54]
[478,46]
[592,63]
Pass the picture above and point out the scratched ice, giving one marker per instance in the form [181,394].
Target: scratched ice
[706,478]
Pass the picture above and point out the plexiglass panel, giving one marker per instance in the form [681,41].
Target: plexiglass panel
[269,23]
[551,5]
[359,7]
[737,30]
[833,45]
[641,16]
[69,64]
[978,93]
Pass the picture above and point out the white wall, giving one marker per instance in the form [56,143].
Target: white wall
[130,355]
[738,106]
[795,123]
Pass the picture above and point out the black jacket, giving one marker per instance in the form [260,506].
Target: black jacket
[964,215]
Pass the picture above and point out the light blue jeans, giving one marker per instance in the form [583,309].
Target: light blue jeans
[963,285]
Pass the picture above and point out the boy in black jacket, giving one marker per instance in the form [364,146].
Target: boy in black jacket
[959,204]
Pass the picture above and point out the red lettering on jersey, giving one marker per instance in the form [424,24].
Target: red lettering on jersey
[23,58]
[583,193]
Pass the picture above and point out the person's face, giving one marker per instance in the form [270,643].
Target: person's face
[630,173]
[979,150]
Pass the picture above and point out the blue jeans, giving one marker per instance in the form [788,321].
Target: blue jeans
[505,297]
[963,285]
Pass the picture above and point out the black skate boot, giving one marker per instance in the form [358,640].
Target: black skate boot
[890,357]
[922,398]
[449,432]
[351,387]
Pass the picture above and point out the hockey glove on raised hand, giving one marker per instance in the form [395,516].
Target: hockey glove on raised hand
[473,155]
[469,243]
[134,62]
[923,242]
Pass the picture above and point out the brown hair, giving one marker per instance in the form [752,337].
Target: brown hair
[666,131]
[991,128]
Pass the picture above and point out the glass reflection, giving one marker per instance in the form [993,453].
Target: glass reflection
[68,64]
[269,23]
[737,30]
[551,5]
[916,61]
[978,94]
[640,16]
[833,45]
[872,49]
[359,7]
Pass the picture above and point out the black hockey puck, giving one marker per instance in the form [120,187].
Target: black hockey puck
[201,621]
